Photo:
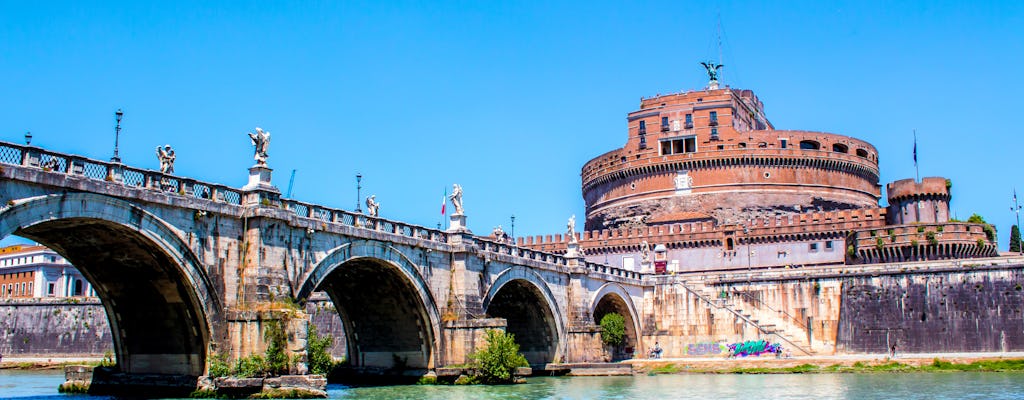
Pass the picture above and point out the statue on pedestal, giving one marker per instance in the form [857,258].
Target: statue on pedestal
[456,198]
[372,206]
[571,229]
[712,70]
[645,252]
[261,140]
[166,156]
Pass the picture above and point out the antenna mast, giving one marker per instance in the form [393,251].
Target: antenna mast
[720,37]
[291,181]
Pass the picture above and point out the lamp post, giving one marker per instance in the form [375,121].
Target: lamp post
[359,189]
[1016,209]
[513,233]
[28,138]
[117,134]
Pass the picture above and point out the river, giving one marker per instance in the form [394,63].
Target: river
[932,386]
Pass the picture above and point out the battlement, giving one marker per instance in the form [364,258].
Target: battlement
[707,233]
[908,188]
[922,241]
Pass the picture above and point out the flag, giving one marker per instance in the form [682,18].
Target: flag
[915,148]
[444,200]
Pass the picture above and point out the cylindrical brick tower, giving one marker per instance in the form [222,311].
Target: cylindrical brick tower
[713,155]
[925,202]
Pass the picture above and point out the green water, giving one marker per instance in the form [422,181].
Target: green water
[932,386]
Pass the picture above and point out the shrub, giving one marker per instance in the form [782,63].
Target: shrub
[498,360]
[931,238]
[219,366]
[277,342]
[879,243]
[320,361]
[914,243]
[613,329]
[920,229]
[251,367]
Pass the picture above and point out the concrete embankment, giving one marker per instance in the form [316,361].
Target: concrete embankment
[770,364]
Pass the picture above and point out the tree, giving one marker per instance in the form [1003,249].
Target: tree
[317,355]
[613,329]
[496,363]
[1015,239]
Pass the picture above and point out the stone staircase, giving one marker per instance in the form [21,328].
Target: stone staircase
[780,323]
[789,334]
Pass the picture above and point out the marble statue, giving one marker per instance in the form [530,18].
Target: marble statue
[372,206]
[261,140]
[645,252]
[571,229]
[456,198]
[166,156]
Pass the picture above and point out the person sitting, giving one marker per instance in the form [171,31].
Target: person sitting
[656,351]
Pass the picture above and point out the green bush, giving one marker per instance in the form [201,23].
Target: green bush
[497,362]
[219,366]
[277,341]
[317,355]
[931,238]
[613,329]
[253,366]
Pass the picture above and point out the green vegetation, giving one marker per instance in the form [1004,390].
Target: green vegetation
[73,387]
[920,229]
[931,238]
[666,369]
[937,365]
[277,341]
[497,362]
[467,380]
[317,355]
[613,329]
[427,380]
[879,243]
[253,366]
[108,359]
[276,393]
[990,232]
[1015,239]
[203,394]
[219,366]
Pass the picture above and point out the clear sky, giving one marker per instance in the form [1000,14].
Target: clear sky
[509,99]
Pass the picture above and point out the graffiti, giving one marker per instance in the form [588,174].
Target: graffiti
[753,348]
[705,348]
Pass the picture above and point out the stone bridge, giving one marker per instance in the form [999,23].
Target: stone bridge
[188,269]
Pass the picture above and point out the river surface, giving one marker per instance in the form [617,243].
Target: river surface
[932,386]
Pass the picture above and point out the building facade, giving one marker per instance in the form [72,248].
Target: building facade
[705,182]
[28,271]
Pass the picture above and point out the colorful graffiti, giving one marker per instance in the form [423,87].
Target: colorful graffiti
[705,348]
[754,348]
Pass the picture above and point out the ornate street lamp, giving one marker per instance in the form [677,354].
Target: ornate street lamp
[359,188]
[28,138]
[117,134]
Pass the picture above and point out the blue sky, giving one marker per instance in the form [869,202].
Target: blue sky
[509,99]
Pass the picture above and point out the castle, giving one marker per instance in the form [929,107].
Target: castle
[705,182]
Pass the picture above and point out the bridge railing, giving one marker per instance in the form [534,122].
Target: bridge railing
[30,156]
[494,246]
[359,220]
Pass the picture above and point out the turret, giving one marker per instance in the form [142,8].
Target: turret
[918,202]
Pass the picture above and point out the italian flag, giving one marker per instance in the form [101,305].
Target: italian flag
[444,200]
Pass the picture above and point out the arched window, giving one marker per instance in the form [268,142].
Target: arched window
[809,145]
[840,148]
[862,153]
[729,245]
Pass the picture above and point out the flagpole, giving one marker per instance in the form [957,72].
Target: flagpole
[917,171]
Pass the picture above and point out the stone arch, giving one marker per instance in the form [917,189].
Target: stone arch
[523,282]
[351,274]
[158,298]
[612,296]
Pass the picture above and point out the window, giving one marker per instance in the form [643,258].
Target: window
[862,153]
[681,145]
[783,143]
[689,121]
[809,145]
[840,148]
[664,124]
[714,133]
[828,245]
[713,118]
[50,288]
[813,247]
[729,244]
[643,127]
[741,145]
[77,288]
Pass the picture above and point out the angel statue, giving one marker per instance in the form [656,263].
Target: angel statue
[261,140]
[166,156]
[712,69]
[372,206]
[456,198]
[571,229]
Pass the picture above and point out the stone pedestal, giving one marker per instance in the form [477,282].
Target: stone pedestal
[713,85]
[457,223]
[259,190]
[573,249]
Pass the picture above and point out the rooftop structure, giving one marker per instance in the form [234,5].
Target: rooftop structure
[36,271]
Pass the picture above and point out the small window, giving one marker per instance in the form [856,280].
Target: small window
[713,118]
[689,121]
[721,147]
[840,148]
[813,247]
[679,145]
[728,244]
[809,145]
[741,145]
[50,289]
[643,127]
[664,124]
[862,153]
[828,245]
[714,133]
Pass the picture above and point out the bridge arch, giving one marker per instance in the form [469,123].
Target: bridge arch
[517,295]
[158,298]
[387,310]
[613,298]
